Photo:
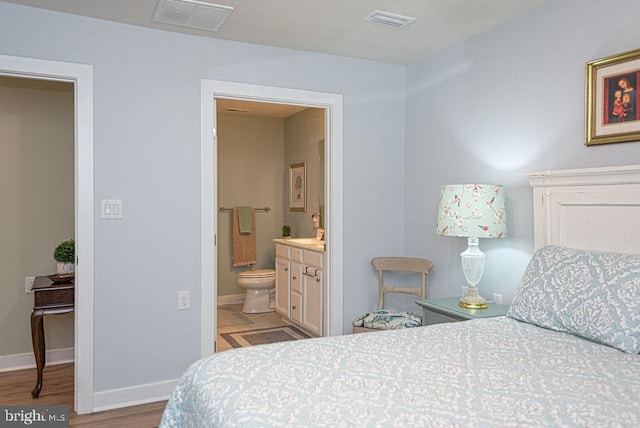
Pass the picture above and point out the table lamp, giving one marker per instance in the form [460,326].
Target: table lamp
[473,211]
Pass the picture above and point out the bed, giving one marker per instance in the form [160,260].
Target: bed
[566,354]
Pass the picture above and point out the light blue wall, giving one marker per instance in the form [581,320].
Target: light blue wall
[147,148]
[507,102]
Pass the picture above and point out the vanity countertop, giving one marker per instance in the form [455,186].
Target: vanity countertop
[305,243]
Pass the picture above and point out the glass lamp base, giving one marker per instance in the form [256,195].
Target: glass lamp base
[473,268]
[473,300]
[473,305]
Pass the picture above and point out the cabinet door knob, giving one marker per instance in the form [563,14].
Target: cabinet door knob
[293,307]
[293,277]
[317,279]
[286,269]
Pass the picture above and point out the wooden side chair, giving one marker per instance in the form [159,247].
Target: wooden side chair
[385,319]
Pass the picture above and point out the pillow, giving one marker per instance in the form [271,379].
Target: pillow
[594,295]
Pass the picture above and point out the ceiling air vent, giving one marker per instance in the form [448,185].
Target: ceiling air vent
[192,14]
[390,19]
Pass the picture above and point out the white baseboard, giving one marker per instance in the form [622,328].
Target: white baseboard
[231,299]
[113,399]
[27,361]
[133,396]
[149,393]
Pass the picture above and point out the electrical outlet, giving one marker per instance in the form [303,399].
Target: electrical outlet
[497,298]
[184,300]
[28,284]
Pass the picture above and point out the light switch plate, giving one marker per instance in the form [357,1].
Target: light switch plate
[111,208]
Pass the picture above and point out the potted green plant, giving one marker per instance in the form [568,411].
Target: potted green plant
[286,231]
[65,256]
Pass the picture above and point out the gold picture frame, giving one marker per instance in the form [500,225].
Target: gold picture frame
[612,104]
[298,187]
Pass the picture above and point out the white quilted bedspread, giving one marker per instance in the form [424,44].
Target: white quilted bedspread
[495,372]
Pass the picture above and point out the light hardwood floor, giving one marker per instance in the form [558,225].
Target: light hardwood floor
[16,386]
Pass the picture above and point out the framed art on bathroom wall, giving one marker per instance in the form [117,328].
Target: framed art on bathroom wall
[298,187]
[612,104]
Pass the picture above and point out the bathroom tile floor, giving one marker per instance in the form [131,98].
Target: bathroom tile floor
[232,319]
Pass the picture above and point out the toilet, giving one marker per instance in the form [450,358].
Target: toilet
[259,284]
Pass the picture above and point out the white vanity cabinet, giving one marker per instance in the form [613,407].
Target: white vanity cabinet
[283,266]
[312,291]
[299,285]
[295,292]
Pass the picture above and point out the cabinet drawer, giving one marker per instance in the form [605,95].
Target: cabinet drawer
[313,258]
[296,254]
[282,251]
[53,298]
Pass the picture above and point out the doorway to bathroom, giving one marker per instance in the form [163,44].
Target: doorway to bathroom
[329,108]
[257,142]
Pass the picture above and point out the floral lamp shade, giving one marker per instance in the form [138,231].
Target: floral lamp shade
[472,210]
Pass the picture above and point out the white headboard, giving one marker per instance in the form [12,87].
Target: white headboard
[589,208]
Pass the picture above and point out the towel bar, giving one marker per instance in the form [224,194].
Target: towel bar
[266,209]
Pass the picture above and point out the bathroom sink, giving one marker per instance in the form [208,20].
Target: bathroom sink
[311,243]
[306,241]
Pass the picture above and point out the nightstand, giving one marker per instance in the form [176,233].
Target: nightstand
[447,310]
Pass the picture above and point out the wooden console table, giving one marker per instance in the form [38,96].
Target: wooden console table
[49,298]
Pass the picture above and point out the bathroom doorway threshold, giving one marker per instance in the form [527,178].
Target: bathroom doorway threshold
[333,106]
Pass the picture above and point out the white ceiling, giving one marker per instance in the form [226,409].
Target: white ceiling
[325,26]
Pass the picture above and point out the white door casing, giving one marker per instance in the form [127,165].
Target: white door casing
[82,77]
[333,106]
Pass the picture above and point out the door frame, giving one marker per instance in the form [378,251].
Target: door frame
[81,76]
[333,107]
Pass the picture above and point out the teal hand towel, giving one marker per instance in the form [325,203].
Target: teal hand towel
[245,224]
